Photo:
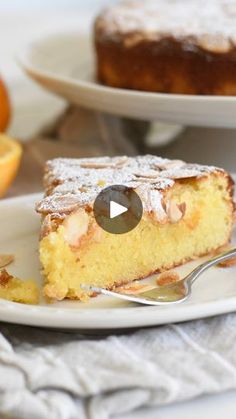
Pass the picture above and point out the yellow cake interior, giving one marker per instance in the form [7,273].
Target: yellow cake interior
[106,259]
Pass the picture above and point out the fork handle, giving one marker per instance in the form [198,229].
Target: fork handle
[214,261]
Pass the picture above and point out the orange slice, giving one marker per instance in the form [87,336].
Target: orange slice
[10,157]
[4,107]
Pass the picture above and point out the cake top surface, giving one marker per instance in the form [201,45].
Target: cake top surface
[212,22]
[72,183]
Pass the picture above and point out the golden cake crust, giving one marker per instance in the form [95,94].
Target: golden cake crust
[138,44]
[71,184]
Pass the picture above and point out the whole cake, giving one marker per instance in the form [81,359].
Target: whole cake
[171,46]
[187,212]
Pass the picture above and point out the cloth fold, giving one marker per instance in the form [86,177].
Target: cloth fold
[67,375]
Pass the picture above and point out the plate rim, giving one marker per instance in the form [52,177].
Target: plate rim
[105,318]
[23,59]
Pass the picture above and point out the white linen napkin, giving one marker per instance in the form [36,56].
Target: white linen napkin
[48,374]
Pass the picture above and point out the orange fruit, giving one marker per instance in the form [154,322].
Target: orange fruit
[4,107]
[10,157]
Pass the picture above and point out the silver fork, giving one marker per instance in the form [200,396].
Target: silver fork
[174,293]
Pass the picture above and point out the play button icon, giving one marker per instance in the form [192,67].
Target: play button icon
[118,209]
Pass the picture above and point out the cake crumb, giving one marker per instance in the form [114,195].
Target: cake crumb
[134,288]
[167,277]
[101,182]
[227,263]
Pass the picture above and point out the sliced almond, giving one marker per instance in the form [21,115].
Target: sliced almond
[227,263]
[96,165]
[5,260]
[152,174]
[133,39]
[5,277]
[175,211]
[76,226]
[57,203]
[120,162]
[147,180]
[134,288]
[83,189]
[103,164]
[169,165]
[182,207]
[46,227]
[167,277]
[215,43]
[180,173]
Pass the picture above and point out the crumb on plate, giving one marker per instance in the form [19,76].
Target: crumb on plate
[167,277]
[18,290]
[134,288]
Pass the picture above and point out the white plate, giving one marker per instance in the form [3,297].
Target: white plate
[64,64]
[213,293]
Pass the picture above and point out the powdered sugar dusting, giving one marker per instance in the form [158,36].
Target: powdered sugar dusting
[72,183]
[213,22]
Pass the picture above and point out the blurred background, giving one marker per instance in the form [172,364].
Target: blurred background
[21,20]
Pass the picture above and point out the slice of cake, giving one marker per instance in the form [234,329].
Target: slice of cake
[187,212]
[171,46]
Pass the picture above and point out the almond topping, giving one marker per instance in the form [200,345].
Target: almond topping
[96,165]
[167,277]
[134,288]
[176,211]
[148,180]
[133,39]
[59,204]
[216,43]
[151,174]
[6,260]
[182,207]
[76,226]
[227,263]
[121,162]
[83,189]
[103,165]
[5,277]
[170,165]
